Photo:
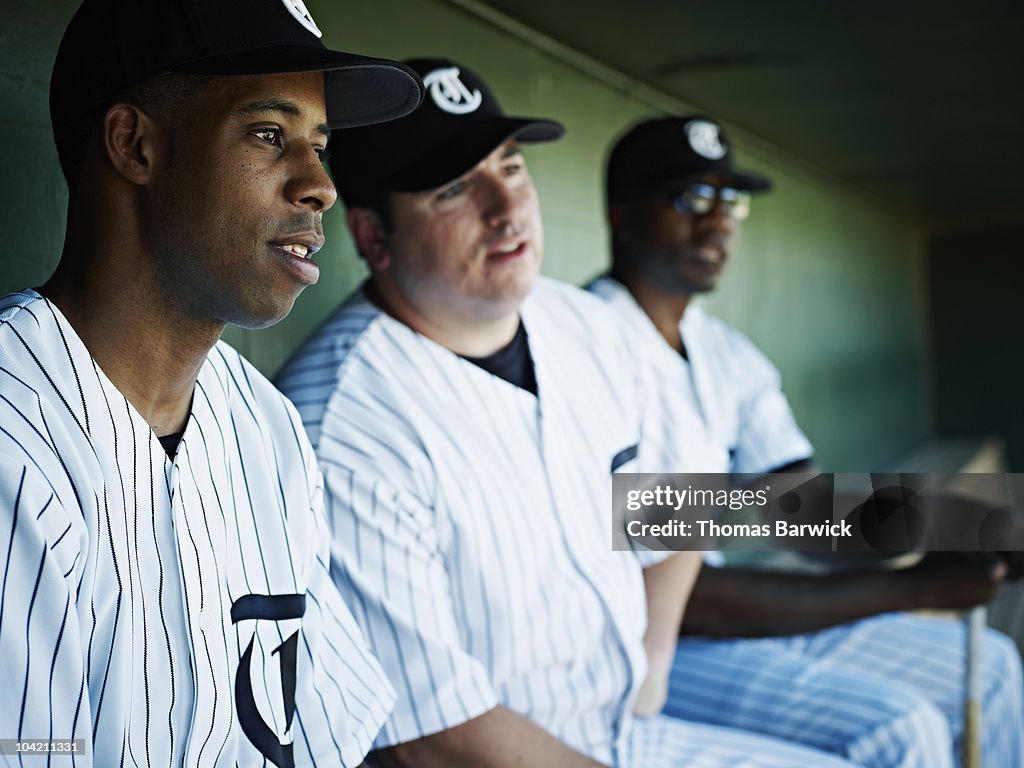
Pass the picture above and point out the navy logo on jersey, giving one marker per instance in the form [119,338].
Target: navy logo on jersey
[278,609]
[624,456]
[450,93]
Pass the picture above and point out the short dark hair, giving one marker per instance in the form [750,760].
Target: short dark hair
[380,204]
[161,96]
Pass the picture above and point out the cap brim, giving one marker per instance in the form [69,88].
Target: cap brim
[359,90]
[748,182]
[454,157]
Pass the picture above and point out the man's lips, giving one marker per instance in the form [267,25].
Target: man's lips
[508,248]
[709,252]
[296,251]
[301,245]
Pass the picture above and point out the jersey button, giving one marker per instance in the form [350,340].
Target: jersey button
[207,621]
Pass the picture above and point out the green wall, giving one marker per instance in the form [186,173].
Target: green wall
[975,287]
[830,287]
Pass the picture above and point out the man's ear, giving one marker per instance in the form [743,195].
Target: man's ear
[370,237]
[130,138]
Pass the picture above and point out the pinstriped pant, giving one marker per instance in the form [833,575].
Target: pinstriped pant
[664,742]
[885,691]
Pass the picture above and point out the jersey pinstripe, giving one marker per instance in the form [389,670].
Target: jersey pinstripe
[471,520]
[727,380]
[168,611]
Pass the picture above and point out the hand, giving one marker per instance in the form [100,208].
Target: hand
[653,693]
[956,580]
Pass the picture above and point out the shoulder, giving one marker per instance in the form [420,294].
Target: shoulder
[606,287]
[329,345]
[630,316]
[318,359]
[571,311]
[24,328]
[367,388]
[12,303]
[578,335]
[26,319]
[614,294]
[24,303]
[699,320]
[576,322]
[312,374]
[725,342]
[44,381]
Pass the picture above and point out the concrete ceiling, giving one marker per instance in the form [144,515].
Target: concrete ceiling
[918,104]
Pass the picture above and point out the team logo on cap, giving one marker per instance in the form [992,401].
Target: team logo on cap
[450,93]
[297,8]
[705,139]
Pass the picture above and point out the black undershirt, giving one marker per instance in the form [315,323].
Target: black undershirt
[170,443]
[511,363]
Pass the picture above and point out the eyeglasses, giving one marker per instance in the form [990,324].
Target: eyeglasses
[699,200]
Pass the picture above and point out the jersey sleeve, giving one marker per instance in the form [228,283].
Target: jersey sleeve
[43,555]
[767,433]
[390,564]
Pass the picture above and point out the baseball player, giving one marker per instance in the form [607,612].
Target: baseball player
[165,594]
[468,416]
[881,684]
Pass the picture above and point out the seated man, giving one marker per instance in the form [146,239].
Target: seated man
[468,417]
[166,598]
[883,685]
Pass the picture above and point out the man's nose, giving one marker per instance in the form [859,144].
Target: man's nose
[718,219]
[309,184]
[502,202]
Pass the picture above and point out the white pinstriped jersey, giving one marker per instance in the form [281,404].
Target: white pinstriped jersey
[472,521]
[168,612]
[727,380]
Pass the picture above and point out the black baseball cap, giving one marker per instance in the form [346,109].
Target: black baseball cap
[112,45]
[458,124]
[674,150]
